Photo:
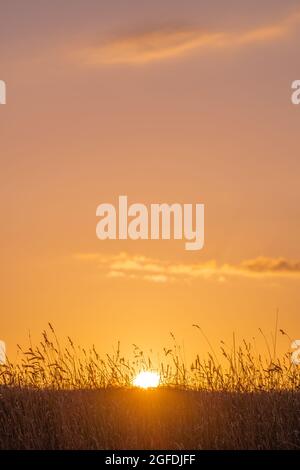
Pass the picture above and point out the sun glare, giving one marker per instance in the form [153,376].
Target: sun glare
[147,380]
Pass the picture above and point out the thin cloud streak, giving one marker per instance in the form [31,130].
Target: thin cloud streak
[128,266]
[169,42]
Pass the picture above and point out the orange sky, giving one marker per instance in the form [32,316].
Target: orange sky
[165,103]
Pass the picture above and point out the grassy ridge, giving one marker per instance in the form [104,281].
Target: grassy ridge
[64,397]
[159,419]
[51,365]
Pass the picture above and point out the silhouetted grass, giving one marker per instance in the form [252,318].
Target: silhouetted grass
[67,398]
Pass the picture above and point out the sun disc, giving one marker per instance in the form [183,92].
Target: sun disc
[147,379]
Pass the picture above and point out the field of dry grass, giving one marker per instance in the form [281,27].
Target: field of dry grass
[67,398]
[152,419]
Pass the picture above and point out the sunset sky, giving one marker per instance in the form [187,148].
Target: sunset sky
[171,101]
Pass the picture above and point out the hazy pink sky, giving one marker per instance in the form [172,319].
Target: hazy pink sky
[165,102]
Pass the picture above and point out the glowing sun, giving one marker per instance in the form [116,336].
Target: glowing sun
[147,380]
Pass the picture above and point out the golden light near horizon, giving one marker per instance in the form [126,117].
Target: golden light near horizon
[147,379]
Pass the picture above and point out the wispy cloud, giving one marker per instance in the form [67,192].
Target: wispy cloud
[278,265]
[167,42]
[129,266]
